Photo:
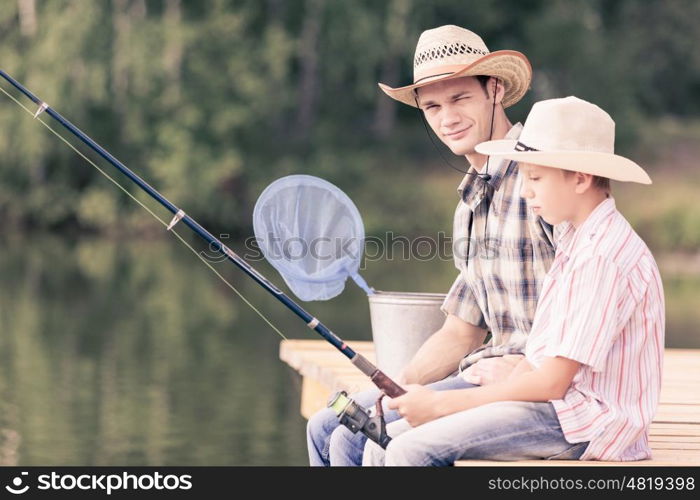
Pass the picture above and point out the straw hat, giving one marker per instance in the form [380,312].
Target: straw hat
[571,134]
[452,52]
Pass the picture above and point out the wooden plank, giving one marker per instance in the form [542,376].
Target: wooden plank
[659,438]
[674,434]
[313,397]
[674,429]
[660,458]
[681,433]
[677,413]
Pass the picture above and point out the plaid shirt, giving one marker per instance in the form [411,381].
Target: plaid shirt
[500,281]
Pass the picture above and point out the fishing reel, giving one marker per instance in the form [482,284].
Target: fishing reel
[356,418]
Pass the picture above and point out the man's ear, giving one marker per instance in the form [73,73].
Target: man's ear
[496,85]
[582,182]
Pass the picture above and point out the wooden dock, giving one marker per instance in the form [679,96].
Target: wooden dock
[674,435]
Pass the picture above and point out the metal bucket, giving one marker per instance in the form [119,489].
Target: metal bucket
[401,322]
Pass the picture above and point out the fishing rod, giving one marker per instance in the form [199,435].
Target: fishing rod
[351,414]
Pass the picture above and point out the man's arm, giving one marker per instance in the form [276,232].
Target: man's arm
[440,355]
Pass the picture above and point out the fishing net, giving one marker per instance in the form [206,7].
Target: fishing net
[312,233]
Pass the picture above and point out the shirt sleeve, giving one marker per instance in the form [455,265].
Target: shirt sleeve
[461,302]
[586,326]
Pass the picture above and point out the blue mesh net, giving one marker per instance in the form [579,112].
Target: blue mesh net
[312,233]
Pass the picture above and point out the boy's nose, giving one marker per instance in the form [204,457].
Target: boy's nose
[526,192]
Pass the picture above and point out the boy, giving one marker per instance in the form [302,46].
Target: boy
[589,384]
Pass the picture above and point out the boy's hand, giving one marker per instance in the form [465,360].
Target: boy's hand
[417,406]
[489,370]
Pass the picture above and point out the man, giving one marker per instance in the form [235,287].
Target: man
[501,250]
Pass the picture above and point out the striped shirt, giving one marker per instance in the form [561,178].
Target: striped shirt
[500,271]
[603,306]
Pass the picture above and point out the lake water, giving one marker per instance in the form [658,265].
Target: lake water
[133,353]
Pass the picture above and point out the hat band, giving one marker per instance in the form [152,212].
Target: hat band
[437,71]
[519,146]
[433,76]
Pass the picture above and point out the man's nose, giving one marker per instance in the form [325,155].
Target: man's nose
[449,116]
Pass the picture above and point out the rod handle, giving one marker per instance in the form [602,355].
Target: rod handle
[380,379]
[388,386]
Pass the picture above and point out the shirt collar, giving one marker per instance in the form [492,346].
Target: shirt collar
[497,168]
[569,238]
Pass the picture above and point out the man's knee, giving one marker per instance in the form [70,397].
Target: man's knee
[321,423]
[345,448]
[342,438]
[318,432]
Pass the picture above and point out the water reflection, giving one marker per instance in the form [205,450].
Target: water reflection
[132,353]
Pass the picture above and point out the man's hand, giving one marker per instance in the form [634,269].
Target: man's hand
[417,406]
[489,370]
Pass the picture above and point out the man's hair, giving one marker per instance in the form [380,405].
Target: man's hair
[483,81]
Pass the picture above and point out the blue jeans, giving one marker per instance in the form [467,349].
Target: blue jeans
[506,430]
[332,444]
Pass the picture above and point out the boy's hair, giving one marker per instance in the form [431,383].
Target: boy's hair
[601,183]
[598,182]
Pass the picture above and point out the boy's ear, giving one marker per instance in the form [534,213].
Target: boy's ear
[582,182]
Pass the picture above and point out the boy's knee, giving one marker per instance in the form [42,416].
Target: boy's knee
[373,455]
[398,452]
[402,451]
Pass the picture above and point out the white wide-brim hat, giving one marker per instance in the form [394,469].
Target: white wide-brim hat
[570,134]
[452,52]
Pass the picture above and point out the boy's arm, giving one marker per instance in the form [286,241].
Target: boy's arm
[522,367]
[550,381]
